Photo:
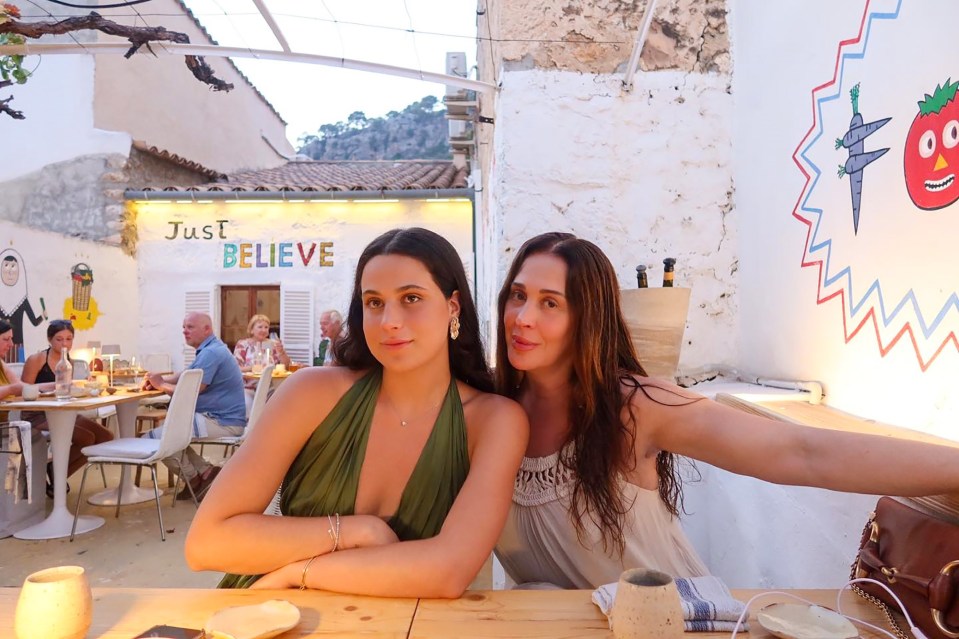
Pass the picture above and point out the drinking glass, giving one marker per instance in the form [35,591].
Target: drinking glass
[55,603]
[647,606]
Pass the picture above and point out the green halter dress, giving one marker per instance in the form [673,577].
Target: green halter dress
[323,478]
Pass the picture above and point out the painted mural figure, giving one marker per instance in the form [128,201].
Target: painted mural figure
[931,153]
[858,158]
[14,304]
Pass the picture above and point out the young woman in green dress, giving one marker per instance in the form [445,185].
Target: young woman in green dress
[397,467]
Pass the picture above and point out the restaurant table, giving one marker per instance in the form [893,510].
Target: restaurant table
[61,417]
[558,614]
[122,613]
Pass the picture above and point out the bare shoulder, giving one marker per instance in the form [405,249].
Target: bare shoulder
[492,415]
[322,381]
[650,390]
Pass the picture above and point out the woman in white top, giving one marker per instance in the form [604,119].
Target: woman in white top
[598,490]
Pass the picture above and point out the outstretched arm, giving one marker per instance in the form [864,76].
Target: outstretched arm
[790,454]
[444,565]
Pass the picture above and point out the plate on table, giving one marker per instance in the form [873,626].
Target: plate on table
[48,393]
[258,621]
[801,621]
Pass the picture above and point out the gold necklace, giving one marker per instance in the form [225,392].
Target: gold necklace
[404,422]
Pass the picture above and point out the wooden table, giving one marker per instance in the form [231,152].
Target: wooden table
[61,416]
[121,613]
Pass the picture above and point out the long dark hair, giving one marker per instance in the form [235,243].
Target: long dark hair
[466,355]
[604,361]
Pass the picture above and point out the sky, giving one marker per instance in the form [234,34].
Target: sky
[370,30]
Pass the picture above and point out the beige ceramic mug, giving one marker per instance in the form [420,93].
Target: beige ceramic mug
[30,392]
[55,603]
[647,606]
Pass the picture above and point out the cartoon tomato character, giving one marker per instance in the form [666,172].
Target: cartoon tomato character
[931,156]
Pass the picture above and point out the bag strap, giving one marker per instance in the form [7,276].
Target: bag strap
[856,572]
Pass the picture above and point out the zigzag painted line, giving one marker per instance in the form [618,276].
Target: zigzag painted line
[813,221]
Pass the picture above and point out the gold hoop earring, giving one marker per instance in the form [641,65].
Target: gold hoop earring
[454,327]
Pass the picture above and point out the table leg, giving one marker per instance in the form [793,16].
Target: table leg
[132,494]
[60,520]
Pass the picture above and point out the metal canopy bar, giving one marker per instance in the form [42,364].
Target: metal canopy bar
[216,51]
[274,27]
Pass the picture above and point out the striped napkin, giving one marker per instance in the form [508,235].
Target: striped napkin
[708,606]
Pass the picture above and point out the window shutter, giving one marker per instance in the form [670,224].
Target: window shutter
[198,301]
[297,322]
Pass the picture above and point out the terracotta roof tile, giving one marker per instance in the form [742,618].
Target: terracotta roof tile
[177,159]
[343,176]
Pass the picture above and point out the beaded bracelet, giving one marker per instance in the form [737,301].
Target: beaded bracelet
[305,569]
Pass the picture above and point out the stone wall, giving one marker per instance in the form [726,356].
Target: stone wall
[83,197]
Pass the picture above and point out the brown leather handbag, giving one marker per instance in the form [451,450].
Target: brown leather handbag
[912,546]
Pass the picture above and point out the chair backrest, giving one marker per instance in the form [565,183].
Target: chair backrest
[178,426]
[157,362]
[259,399]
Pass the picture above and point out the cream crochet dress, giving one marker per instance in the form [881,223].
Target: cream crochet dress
[539,543]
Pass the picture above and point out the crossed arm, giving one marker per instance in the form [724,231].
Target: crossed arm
[230,532]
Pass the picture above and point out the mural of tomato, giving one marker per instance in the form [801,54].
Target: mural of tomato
[931,156]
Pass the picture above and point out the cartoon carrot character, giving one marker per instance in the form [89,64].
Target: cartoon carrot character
[858,159]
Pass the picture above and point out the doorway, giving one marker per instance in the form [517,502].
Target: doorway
[239,303]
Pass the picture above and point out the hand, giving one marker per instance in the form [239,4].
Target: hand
[153,380]
[278,347]
[280,578]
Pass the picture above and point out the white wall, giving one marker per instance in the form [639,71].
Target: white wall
[756,534]
[167,268]
[645,176]
[785,331]
[48,259]
[51,133]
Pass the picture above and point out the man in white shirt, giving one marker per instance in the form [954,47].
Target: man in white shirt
[331,326]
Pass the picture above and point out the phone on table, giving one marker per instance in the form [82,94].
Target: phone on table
[171,632]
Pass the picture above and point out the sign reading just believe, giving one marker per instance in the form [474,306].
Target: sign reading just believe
[277,254]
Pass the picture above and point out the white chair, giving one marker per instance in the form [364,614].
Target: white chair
[136,451]
[230,442]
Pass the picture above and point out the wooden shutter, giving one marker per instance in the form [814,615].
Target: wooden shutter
[198,301]
[297,322]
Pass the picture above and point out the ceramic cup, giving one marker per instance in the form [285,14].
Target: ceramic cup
[280,368]
[647,606]
[30,392]
[55,603]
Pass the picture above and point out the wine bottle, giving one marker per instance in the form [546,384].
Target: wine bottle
[641,280]
[668,265]
[63,375]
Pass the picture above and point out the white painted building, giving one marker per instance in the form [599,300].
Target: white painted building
[282,228]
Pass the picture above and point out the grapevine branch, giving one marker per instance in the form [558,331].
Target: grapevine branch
[138,37]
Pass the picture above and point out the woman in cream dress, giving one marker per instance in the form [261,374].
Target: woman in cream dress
[598,490]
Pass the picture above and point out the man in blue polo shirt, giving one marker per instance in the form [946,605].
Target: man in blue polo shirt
[220,407]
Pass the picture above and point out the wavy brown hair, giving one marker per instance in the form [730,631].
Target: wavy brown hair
[604,362]
[466,354]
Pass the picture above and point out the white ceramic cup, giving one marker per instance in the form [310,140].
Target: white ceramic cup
[55,603]
[647,606]
[30,392]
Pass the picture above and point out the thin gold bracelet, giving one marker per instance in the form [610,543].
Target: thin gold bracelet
[305,569]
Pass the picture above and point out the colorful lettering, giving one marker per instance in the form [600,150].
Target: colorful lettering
[286,252]
[229,255]
[246,252]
